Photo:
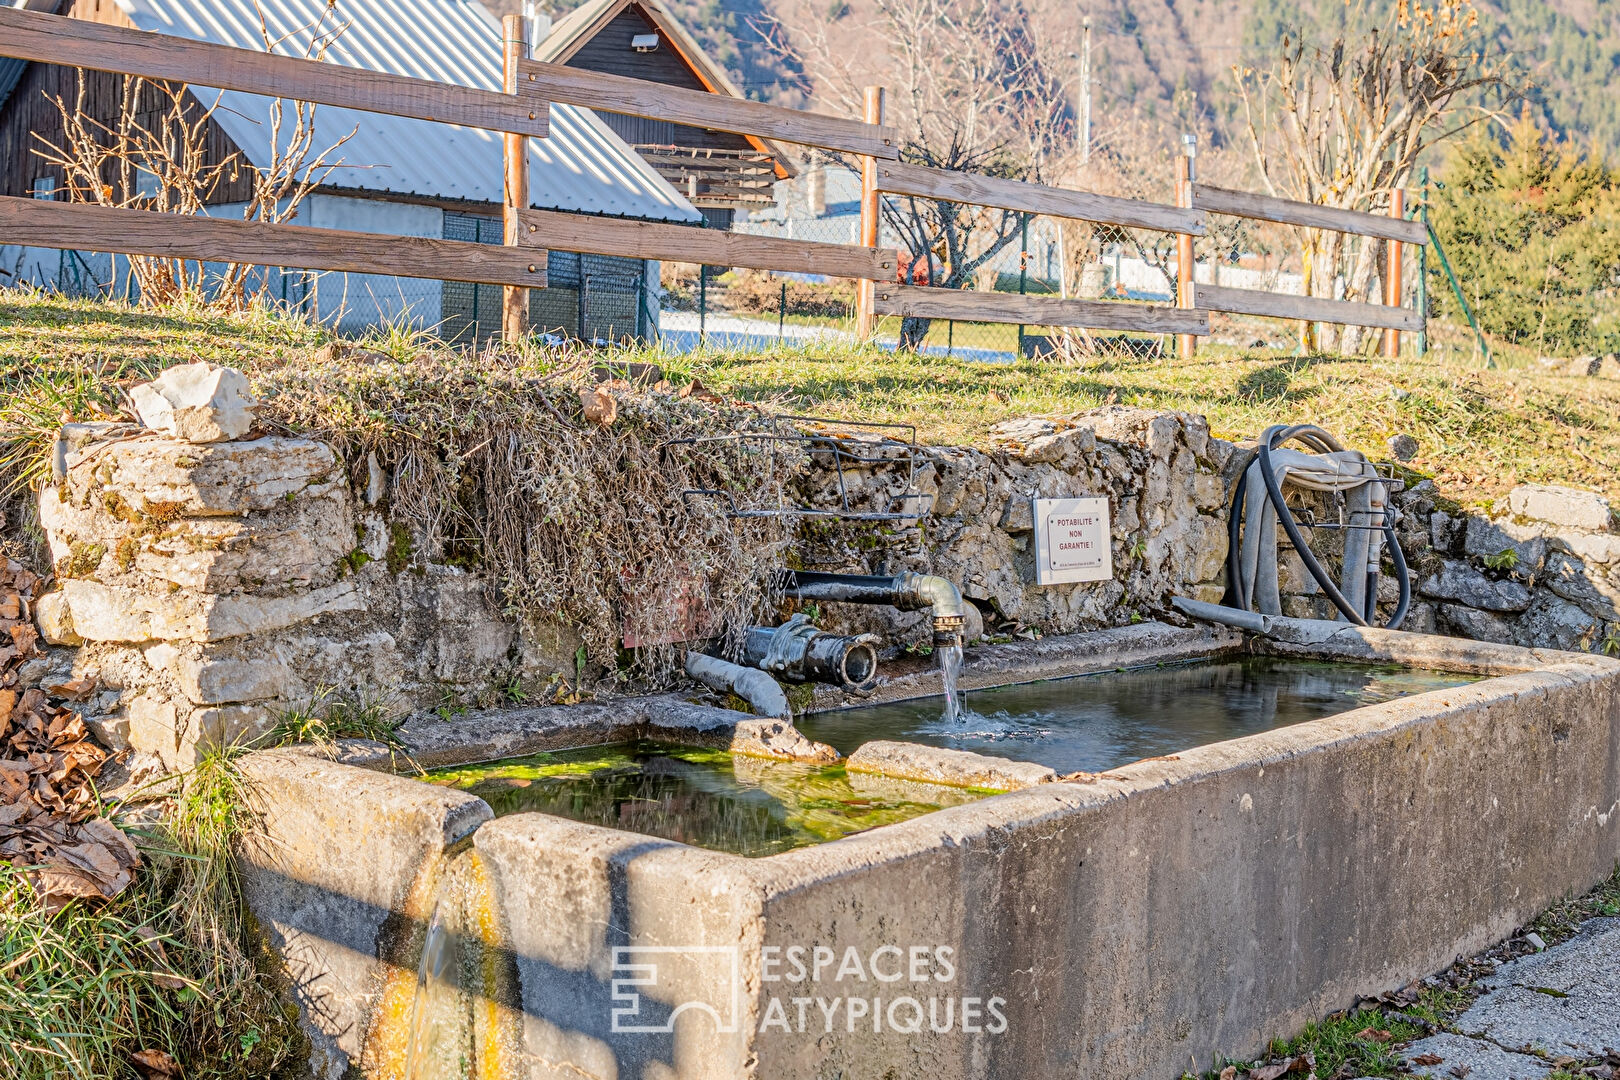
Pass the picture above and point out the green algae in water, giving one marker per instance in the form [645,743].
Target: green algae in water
[706,798]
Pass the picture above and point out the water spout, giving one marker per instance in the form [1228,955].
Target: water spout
[950,671]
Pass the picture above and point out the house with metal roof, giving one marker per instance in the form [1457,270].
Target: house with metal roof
[392,174]
[725,176]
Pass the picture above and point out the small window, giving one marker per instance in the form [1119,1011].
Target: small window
[147,184]
[43,187]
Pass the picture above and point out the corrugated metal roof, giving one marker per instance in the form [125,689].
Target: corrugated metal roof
[582,166]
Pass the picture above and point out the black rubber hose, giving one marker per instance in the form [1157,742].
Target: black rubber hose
[1403,575]
[1234,538]
[1286,517]
[1317,438]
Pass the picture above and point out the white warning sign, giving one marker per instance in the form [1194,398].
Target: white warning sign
[1072,541]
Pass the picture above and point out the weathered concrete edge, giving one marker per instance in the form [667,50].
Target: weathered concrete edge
[339,853]
[955,768]
[1541,704]
[1341,641]
[502,733]
[1142,779]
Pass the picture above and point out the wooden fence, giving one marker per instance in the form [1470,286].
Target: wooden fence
[521,112]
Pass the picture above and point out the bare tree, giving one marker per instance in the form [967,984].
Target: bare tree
[1136,159]
[975,88]
[154,155]
[1343,124]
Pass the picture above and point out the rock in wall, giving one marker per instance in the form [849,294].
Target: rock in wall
[1162,473]
[212,587]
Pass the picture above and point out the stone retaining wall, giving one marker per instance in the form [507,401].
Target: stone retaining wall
[212,587]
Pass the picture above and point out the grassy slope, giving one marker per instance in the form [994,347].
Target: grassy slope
[1480,431]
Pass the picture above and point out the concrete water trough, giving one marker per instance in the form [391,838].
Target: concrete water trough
[1133,922]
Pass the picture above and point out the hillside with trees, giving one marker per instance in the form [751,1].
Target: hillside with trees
[1172,59]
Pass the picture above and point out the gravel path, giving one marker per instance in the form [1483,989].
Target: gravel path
[1538,1012]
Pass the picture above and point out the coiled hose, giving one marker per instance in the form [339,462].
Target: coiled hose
[1238,590]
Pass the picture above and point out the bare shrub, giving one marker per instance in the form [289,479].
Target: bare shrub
[165,165]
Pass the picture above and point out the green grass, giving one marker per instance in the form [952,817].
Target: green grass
[1479,431]
[329,716]
[172,966]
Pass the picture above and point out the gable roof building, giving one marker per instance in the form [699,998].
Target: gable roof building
[582,166]
[719,172]
[394,174]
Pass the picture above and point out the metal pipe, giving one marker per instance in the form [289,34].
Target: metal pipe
[798,652]
[906,591]
[1252,621]
[761,692]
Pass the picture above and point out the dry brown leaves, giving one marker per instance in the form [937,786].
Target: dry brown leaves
[49,815]
[1304,1065]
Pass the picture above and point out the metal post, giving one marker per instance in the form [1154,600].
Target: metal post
[584,299]
[866,291]
[1392,272]
[703,304]
[1085,89]
[1186,268]
[781,315]
[1423,267]
[515,300]
[1023,274]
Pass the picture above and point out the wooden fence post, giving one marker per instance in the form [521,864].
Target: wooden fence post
[871,221]
[514,300]
[1392,272]
[1186,265]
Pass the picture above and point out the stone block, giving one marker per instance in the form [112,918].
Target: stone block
[1570,507]
[956,768]
[1444,532]
[216,681]
[275,550]
[154,726]
[1554,623]
[1018,516]
[157,480]
[1598,548]
[200,403]
[113,613]
[55,620]
[1485,539]
[1594,594]
[1460,582]
[1459,621]
[223,725]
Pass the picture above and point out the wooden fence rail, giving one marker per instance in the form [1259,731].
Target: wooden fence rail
[87,227]
[711,247]
[519,264]
[696,108]
[55,39]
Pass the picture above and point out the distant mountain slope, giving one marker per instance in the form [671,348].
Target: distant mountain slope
[1171,56]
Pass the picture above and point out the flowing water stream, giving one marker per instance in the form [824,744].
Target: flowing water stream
[950,671]
[448,1006]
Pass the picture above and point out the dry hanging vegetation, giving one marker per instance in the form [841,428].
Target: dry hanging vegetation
[574,497]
